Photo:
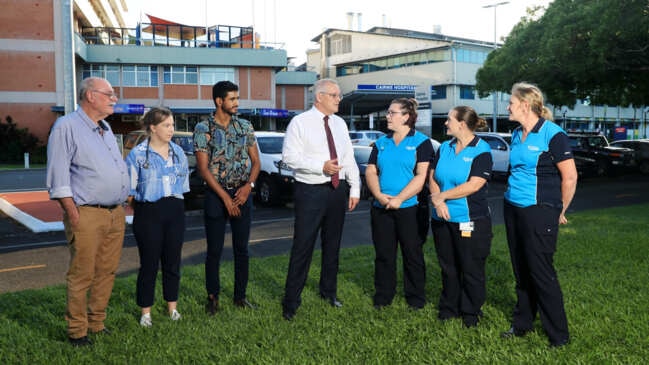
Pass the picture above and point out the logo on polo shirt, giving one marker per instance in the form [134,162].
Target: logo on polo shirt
[533,148]
[467,159]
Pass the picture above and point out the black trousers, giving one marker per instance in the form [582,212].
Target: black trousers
[462,261]
[318,208]
[159,229]
[216,217]
[532,238]
[389,229]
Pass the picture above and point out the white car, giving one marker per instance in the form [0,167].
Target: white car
[499,152]
[364,138]
[275,182]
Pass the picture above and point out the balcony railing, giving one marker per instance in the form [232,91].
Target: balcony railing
[166,35]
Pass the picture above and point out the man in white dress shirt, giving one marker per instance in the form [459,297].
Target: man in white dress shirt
[327,184]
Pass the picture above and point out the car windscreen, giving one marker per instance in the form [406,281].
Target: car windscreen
[271,145]
[186,142]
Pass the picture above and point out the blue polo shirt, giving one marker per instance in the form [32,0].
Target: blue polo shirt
[453,169]
[534,177]
[397,164]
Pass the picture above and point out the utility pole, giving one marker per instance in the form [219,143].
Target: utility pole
[495,94]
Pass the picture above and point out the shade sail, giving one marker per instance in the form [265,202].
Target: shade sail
[167,28]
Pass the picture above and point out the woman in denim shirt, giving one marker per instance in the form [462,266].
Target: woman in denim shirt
[159,176]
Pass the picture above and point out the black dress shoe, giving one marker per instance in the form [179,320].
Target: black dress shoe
[80,342]
[212,305]
[244,303]
[514,332]
[559,343]
[333,301]
[288,315]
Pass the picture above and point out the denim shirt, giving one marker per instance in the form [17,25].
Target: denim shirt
[154,178]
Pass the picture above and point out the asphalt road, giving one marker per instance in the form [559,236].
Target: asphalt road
[31,260]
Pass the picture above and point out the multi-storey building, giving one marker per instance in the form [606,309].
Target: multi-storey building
[148,64]
[377,65]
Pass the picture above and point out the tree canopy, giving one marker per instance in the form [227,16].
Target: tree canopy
[578,49]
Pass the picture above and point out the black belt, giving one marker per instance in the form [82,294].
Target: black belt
[109,207]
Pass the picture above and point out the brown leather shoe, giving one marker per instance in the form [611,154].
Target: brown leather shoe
[212,305]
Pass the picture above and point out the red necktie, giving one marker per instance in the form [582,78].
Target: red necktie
[335,180]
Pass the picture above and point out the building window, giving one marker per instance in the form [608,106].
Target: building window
[438,92]
[340,44]
[471,56]
[467,92]
[108,72]
[140,76]
[212,75]
[187,75]
[396,61]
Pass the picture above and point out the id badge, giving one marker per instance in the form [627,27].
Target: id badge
[466,228]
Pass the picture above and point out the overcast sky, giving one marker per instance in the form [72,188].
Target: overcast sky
[294,23]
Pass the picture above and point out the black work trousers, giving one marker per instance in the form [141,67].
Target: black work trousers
[532,238]
[391,228]
[462,262]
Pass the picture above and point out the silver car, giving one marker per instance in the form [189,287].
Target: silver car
[499,152]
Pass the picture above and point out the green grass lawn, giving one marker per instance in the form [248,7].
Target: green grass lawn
[602,262]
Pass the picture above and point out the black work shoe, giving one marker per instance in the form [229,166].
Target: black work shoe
[212,305]
[80,342]
[244,303]
[514,332]
[288,314]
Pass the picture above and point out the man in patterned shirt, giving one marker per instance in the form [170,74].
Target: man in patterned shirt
[228,160]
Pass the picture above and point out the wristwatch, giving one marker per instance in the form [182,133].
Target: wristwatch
[252,184]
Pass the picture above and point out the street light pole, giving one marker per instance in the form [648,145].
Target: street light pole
[495,95]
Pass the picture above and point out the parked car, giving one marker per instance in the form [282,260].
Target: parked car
[499,152]
[594,155]
[364,138]
[184,140]
[275,182]
[362,155]
[641,149]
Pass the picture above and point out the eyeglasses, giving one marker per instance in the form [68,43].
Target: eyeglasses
[333,95]
[392,112]
[109,94]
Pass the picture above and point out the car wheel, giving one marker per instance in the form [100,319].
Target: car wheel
[602,168]
[644,167]
[266,193]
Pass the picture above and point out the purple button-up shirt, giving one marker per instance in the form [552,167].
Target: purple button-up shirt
[85,164]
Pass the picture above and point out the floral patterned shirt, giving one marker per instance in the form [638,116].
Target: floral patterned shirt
[227,149]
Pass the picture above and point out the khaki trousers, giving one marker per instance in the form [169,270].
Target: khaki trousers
[95,249]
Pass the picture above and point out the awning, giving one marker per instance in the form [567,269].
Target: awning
[363,102]
[170,29]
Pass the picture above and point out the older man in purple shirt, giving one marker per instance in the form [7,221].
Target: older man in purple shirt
[87,175]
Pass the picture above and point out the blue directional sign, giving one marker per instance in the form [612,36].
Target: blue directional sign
[128,109]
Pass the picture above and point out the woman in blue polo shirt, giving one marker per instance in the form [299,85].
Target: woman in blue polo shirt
[541,185]
[461,222]
[159,177]
[395,174]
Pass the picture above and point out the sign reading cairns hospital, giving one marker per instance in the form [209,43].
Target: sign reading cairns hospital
[410,88]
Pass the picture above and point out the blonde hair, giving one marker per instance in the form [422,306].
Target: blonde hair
[533,96]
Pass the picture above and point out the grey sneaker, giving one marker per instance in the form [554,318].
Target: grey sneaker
[145,320]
